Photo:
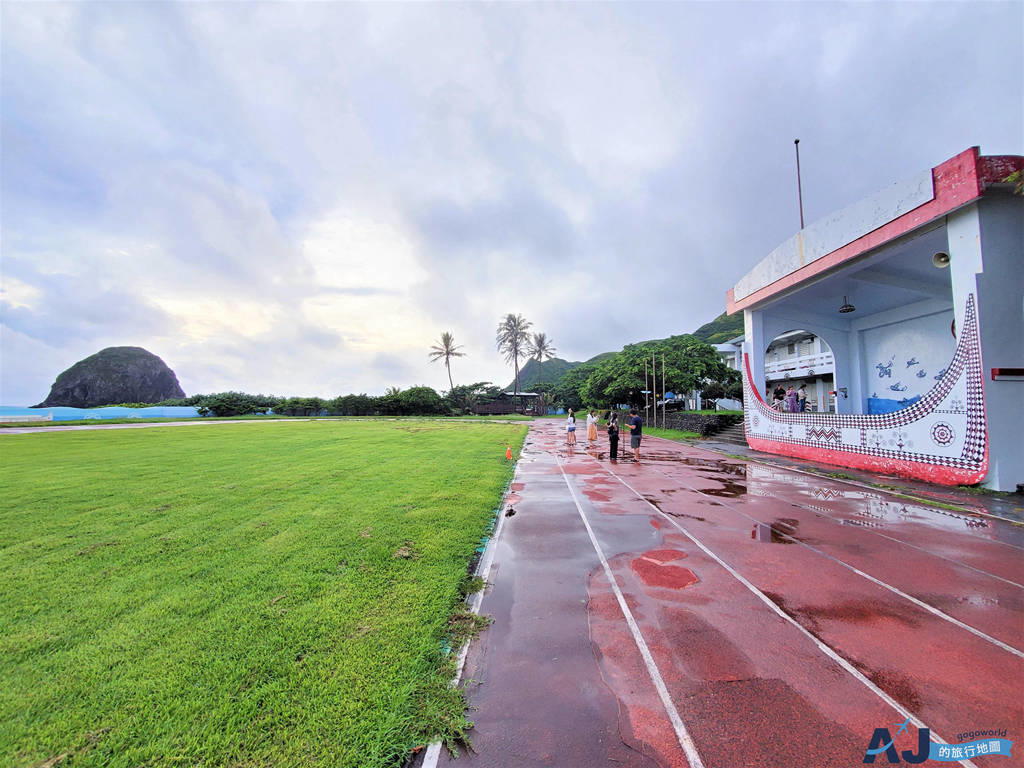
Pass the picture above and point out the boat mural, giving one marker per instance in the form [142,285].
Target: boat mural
[940,438]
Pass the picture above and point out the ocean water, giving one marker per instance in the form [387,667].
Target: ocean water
[13,413]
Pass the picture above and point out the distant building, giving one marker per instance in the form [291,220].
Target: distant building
[796,357]
[512,402]
[916,294]
[731,353]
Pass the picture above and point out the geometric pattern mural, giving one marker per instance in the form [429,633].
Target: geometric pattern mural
[941,438]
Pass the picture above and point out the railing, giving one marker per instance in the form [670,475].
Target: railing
[804,365]
[502,408]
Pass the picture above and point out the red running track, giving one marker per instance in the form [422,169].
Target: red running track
[759,616]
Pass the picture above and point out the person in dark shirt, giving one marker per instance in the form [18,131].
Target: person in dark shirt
[636,433]
[613,436]
[779,397]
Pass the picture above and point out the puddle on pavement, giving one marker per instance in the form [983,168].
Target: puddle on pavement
[782,530]
[729,490]
[654,503]
[863,507]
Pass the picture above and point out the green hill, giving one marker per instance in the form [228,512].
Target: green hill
[534,374]
[721,329]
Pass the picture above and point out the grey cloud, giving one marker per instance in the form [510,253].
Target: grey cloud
[392,371]
[519,221]
[168,130]
[356,291]
[71,309]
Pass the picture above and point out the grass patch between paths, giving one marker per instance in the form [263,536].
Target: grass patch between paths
[253,594]
[680,435]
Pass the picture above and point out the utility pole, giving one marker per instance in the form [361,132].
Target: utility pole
[664,404]
[646,390]
[799,189]
[654,387]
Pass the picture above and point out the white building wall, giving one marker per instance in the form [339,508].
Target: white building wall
[987,256]
[904,357]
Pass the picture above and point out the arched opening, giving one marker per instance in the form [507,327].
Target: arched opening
[800,358]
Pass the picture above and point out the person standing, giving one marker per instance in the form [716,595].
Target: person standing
[570,428]
[778,398]
[636,433]
[801,398]
[613,436]
[791,399]
[591,427]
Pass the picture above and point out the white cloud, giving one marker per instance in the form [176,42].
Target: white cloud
[299,198]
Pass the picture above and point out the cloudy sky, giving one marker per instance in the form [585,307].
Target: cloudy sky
[298,199]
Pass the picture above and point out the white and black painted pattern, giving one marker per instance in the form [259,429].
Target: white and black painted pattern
[946,427]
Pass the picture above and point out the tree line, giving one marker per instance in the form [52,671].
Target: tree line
[414,401]
[683,364]
[689,364]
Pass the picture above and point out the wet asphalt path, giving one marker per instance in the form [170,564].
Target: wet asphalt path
[755,616]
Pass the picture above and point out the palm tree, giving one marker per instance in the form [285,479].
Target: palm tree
[541,348]
[447,349]
[513,341]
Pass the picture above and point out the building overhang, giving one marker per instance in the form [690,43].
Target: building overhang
[828,245]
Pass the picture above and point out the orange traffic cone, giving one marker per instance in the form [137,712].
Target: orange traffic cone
[508,453]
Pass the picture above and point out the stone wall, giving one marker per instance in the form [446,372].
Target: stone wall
[704,425]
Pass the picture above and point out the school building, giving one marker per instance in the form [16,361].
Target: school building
[909,307]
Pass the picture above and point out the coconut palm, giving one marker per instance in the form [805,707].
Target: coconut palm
[513,341]
[541,348]
[447,349]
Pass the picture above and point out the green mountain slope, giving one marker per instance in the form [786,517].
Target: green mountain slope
[535,374]
[721,329]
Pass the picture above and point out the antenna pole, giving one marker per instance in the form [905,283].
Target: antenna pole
[799,189]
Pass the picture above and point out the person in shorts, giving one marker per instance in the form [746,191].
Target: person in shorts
[570,428]
[636,433]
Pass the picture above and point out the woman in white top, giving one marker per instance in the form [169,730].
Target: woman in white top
[591,427]
[570,429]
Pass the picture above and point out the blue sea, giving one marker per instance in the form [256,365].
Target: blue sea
[12,413]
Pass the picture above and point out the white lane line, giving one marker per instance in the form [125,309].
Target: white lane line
[483,569]
[857,484]
[895,590]
[827,650]
[685,741]
[824,513]
[821,511]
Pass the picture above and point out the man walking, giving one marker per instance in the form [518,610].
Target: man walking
[636,433]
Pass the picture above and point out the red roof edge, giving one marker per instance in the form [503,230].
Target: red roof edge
[956,182]
[994,168]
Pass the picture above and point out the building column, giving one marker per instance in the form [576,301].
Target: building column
[985,250]
[754,345]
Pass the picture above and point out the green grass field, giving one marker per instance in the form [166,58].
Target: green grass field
[274,594]
[247,417]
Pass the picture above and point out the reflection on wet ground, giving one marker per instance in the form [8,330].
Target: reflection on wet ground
[870,509]
[728,490]
[739,672]
[781,531]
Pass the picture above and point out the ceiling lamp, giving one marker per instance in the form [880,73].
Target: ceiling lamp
[940,260]
[847,307]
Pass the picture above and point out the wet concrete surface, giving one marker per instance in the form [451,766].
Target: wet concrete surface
[734,573]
